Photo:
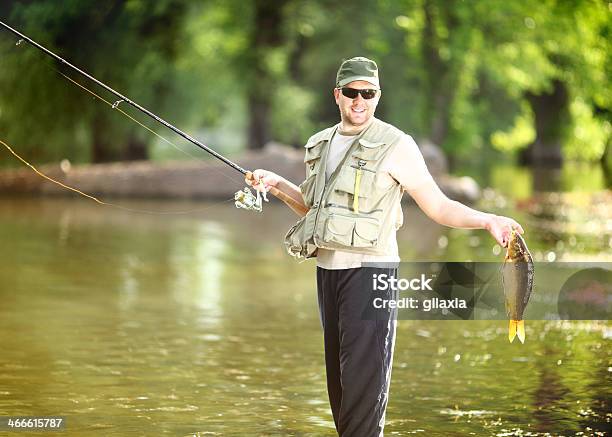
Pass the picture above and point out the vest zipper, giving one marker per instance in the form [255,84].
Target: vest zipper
[361,163]
[335,205]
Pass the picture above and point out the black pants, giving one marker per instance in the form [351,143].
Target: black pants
[358,349]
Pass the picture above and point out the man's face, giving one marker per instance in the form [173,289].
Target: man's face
[358,111]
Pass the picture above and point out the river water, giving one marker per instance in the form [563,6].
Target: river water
[198,324]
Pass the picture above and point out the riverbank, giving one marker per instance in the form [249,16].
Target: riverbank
[192,179]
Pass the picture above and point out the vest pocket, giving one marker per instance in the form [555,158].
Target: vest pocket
[339,229]
[312,159]
[366,233]
[313,150]
[348,176]
[308,189]
[369,151]
[294,238]
[351,231]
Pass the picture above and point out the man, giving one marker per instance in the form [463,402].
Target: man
[357,172]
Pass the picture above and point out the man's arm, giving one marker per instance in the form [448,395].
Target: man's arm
[451,213]
[271,179]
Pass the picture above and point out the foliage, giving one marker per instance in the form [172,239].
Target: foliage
[125,44]
[464,74]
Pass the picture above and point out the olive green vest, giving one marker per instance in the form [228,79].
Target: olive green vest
[351,212]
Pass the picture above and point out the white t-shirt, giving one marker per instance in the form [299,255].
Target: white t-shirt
[404,165]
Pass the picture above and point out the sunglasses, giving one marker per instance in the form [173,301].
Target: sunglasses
[352,93]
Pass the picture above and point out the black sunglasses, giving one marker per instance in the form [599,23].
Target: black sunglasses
[352,93]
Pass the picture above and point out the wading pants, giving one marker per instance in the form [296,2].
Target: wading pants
[358,348]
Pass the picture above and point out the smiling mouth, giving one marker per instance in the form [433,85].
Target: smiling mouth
[359,110]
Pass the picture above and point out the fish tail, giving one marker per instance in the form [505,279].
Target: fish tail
[512,330]
[520,330]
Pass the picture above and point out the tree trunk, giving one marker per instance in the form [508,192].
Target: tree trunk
[102,150]
[259,120]
[135,150]
[267,34]
[546,179]
[551,114]
[439,89]
[606,163]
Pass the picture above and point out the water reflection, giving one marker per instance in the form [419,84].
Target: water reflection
[197,261]
[129,286]
[596,414]
[551,396]
[200,325]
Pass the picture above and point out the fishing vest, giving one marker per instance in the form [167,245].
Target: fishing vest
[351,212]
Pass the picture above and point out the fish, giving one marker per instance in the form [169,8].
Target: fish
[518,277]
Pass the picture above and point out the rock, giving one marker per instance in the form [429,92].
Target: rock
[464,189]
[434,157]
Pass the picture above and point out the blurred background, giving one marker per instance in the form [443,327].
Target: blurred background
[191,320]
[505,82]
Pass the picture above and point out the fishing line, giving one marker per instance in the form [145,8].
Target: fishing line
[243,198]
[115,106]
[128,101]
[101,202]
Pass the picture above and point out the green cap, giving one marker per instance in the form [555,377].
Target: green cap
[358,68]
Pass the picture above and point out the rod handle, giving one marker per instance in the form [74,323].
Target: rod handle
[296,206]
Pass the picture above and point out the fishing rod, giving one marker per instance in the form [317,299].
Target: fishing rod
[126,100]
[243,198]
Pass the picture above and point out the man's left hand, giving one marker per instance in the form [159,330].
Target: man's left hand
[500,228]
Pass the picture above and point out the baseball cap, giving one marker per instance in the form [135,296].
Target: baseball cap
[358,68]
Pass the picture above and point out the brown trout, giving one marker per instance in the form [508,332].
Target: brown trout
[517,275]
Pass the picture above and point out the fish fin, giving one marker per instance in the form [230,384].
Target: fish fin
[511,330]
[530,281]
[520,330]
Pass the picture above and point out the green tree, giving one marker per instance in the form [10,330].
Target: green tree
[519,74]
[531,75]
[126,44]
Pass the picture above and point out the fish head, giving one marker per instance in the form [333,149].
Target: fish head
[517,248]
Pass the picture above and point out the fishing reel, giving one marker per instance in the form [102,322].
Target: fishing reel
[245,199]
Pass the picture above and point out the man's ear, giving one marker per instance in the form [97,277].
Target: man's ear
[336,94]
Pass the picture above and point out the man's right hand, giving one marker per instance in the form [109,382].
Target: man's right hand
[269,179]
[287,191]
